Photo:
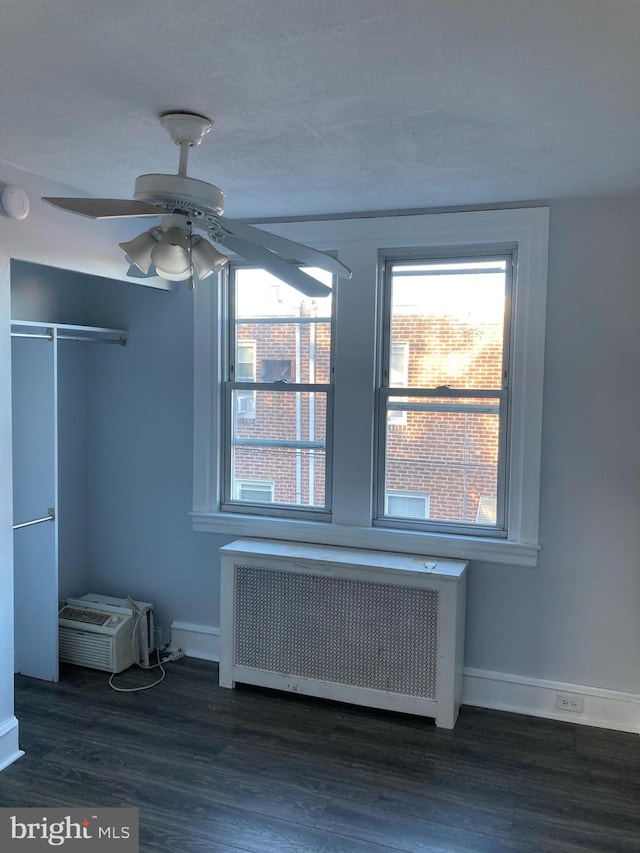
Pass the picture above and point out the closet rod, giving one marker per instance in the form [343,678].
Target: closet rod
[87,338]
[120,341]
[50,517]
[29,335]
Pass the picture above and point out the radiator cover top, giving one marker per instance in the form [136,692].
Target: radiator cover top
[372,635]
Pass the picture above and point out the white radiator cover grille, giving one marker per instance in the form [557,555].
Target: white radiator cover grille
[373,628]
[373,635]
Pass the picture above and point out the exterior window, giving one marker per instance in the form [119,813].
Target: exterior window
[406,505]
[398,378]
[486,510]
[246,372]
[453,316]
[254,490]
[278,396]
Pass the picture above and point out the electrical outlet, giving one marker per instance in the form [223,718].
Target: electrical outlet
[569,702]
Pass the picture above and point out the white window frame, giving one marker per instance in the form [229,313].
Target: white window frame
[386,388]
[359,243]
[229,502]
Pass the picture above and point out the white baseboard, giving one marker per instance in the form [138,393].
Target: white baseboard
[196,641]
[9,749]
[608,709]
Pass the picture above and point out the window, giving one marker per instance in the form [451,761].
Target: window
[453,313]
[254,490]
[406,504]
[398,378]
[246,372]
[422,440]
[486,510]
[277,396]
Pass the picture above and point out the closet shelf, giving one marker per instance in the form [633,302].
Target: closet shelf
[67,332]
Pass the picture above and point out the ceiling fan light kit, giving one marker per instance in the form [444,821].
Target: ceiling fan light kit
[172,251]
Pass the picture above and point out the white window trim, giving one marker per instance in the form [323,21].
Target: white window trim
[358,243]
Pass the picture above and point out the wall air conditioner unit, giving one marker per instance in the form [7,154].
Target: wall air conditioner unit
[142,612]
[372,628]
[105,633]
[100,639]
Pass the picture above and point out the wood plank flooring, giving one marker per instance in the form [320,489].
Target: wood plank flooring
[254,771]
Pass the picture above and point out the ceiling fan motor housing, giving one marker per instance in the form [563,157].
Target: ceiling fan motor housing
[179,193]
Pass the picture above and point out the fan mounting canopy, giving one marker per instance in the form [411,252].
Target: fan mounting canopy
[186,128]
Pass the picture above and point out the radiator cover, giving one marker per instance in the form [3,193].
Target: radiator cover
[377,629]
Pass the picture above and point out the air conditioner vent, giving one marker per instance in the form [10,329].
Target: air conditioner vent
[90,617]
[84,649]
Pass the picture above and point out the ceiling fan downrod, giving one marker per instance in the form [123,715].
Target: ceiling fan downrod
[187,130]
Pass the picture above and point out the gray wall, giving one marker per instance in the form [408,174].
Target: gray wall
[574,618]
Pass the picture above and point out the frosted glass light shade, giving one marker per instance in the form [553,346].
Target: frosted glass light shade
[170,255]
[206,259]
[138,250]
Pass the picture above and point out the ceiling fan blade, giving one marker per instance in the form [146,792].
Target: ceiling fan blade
[276,266]
[106,208]
[287,248]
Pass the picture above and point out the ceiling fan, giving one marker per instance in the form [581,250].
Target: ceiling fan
[172,250]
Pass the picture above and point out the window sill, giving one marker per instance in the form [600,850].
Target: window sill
[402,541]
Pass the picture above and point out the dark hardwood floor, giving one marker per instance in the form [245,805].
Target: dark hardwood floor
[225,771]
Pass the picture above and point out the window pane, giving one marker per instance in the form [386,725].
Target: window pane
[285,444]
[291,333]
[448,450]
[452,318]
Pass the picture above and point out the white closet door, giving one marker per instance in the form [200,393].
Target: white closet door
[34,389]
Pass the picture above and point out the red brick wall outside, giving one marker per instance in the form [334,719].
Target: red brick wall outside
[275,412]
[450,456]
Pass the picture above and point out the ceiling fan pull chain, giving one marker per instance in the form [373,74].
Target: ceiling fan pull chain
[190,224]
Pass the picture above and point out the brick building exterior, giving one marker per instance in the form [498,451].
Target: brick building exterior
[447,457]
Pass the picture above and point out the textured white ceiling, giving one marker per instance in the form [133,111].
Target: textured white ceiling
[329,106]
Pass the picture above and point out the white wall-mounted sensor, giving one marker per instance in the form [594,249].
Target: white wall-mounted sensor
[15,202]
